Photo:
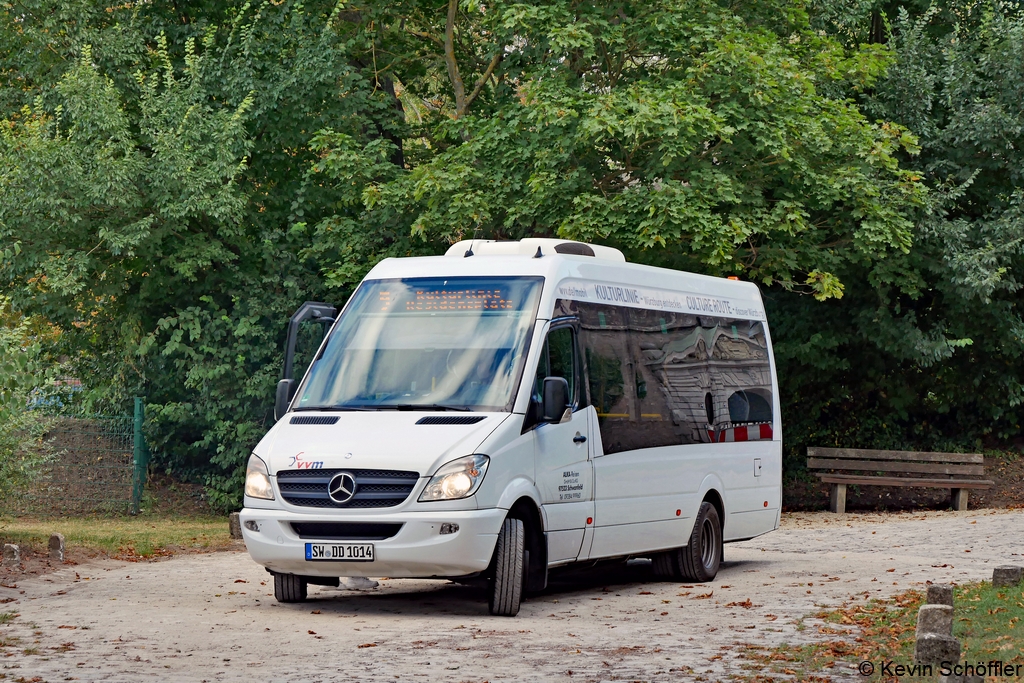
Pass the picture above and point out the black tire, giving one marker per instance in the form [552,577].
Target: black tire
[289,588]
[666,565]
[506,588]
[700,559]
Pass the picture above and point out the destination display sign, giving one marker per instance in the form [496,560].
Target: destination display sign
[659,299]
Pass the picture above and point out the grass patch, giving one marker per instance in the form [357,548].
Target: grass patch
[7,617]
[124,537]
[989,623]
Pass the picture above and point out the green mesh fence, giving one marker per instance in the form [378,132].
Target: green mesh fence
[99,467]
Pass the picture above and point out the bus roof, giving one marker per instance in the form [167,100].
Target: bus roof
[604,278]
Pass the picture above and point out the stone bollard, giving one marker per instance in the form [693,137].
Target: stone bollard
[940,594]
[57,548]
[932,648]
[935,642]
[963,678]
[12,555]
[937,619]
[234,525]
[1006,575]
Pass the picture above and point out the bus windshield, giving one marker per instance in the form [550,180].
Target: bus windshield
[426,344]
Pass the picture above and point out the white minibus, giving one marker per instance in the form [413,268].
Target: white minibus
[511,407]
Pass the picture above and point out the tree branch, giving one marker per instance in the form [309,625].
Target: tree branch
[449,59]
[426,36]
[483,79]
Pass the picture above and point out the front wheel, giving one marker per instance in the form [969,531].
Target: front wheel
[289,588]
[506,585]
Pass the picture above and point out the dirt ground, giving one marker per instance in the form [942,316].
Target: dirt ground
[212,617]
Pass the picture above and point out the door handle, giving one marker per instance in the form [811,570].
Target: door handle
[579,438]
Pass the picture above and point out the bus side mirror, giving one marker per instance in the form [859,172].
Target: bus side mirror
[556,408]
[285,394]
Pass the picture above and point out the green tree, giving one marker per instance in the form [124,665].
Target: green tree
[927,353]
[153,168]
[693,135]
[23,446]
[176,179]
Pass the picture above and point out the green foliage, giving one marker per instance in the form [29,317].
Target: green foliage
[154,185]
[23,448]
[176,179]
[690,129]
[927,351]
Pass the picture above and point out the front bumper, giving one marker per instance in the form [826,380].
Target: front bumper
[417,550]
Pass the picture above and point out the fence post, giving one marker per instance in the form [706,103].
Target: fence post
[140,456]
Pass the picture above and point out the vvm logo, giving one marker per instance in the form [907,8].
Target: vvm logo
[301,464]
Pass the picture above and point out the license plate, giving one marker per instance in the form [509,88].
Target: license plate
[340,552]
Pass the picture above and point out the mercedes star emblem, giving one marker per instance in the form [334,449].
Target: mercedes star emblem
[342,487]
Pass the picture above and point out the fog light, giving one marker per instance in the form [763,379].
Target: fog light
[251,525]
[449,528]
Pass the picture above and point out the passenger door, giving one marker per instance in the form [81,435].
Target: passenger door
[562,451]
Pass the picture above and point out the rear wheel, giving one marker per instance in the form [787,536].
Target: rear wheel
[506,586]
[666,565]
[700,559]
[289,588]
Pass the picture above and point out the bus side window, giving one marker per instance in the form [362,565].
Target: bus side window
[561,347]
[660,378]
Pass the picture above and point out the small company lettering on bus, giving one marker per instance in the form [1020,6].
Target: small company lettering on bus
[617,294]
[708,305]
[301,464]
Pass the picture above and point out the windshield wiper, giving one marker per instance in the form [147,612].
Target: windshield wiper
[428,406]
[336,409]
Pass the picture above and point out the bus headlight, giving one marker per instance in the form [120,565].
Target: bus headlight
[257,479]
[458,479]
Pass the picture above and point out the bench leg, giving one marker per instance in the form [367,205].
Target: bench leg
[959,499]
[837,498]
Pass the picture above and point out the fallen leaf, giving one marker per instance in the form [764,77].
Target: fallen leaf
[368,645]
[746,604]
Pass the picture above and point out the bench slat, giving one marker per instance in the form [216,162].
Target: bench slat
[886,466]
[901,456]
[906,481]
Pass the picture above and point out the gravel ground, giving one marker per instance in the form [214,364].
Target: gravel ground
[213,617]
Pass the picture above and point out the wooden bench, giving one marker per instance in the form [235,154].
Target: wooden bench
[902,468]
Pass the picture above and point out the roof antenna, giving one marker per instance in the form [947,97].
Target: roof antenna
[539,253]
[469,252]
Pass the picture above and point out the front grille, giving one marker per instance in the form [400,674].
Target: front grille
[374,488]
[346,531]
